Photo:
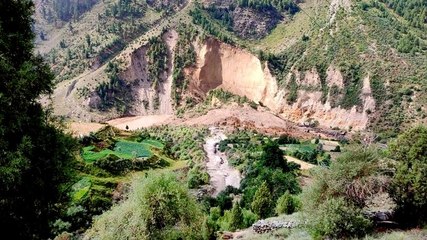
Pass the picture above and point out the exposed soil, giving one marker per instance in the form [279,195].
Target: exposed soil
[79,129]
[134,123]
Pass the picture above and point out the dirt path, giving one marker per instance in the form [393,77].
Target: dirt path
[220,172]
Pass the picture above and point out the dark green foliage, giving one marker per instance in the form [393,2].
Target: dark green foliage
[127,8]
[338,219]
[293,90]
[115,93]
[185,56]
[116,166]
[287,204]
[287,139]
[158,57]
[236,219]
[353,81]
[262,205]
[157,207]
[201,18]
[36,158]
[281,64]
[408,44]
[409,185]
[413,11]
[67,10]
[260,160]
[378,91]
[197,177]
[279,5]
[272,156]
[223,15]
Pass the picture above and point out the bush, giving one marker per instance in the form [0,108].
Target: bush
[249,218]
[158,207]
[337,219]
[409,184]
[197,177]
[334,202]
[261,205]
[236,218]
[287,204]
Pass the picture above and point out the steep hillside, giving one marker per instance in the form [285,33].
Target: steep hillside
[344,64]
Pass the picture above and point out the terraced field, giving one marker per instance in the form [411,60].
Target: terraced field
[123,149]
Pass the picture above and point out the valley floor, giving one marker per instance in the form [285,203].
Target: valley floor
[231,116]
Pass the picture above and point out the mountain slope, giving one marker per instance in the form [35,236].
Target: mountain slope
[352,65]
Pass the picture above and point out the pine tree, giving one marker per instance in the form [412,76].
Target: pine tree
[236,221]
[261,205]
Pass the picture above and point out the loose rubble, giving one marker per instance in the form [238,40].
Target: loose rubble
[264,226]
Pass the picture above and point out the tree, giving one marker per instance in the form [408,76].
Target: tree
[272,156]
[261,205]
[287,204]
[158,207]
[409,184]
[236,220]
[36,158]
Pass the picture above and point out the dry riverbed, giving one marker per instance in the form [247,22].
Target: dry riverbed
[220,172]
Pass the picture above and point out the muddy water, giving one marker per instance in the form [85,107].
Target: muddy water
[220,172]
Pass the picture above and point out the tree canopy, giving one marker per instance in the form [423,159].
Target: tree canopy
[34,155]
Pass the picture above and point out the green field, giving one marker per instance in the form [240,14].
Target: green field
[123,149]
[80,189]
[308,147]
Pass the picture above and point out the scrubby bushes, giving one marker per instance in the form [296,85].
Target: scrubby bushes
[336,218]
[287,204]
[158,207]
[409,185]
[333,203]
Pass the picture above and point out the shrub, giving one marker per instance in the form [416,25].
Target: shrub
[409,184]
[261,205]
[287,204]
[249,218]
[158,207]
[334,202]
[236,218]
[337,219]
[197,177]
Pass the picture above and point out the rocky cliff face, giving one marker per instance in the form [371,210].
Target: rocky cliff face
[223,66]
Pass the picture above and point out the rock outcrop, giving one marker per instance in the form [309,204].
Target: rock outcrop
[238,71]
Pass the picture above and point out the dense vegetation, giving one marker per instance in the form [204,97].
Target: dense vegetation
[413,11]
[383,28]
[114,94]
[279,5]
[185,56]
[158,57]
[409,184]
[200,17]
[268,177]
[36,157]
[69,9]
[339,202]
